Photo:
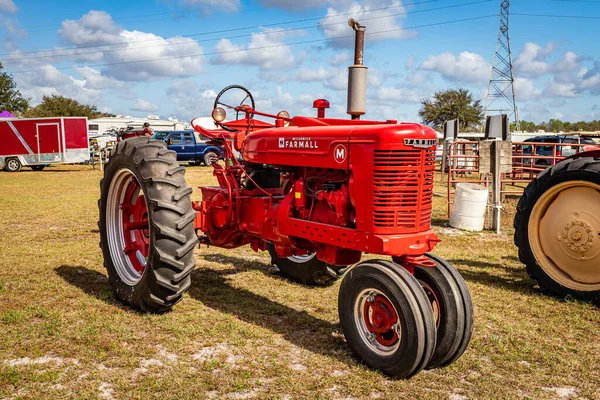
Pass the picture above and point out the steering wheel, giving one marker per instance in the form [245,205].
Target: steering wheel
[239,87]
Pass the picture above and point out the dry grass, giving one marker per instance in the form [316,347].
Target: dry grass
[244,332]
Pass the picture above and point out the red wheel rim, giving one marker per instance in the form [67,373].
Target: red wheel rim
[136,228]
[381,319]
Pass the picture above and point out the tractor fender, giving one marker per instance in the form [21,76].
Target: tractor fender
[589,153]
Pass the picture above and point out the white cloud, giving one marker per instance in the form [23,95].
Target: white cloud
[411,62]
[95,80]
[525,89]
[332,78]
[380,15]
[290,5]
[52,81]
[395,95]
[212,5]
[186,106]
[265,50]
[532,60]
[341,59]
[590,79]
[92,29]
[144,106]
[467,67]
[8,6]
[167,57]
[13,35]
[557,89]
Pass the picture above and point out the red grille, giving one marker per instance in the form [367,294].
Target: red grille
[403,189]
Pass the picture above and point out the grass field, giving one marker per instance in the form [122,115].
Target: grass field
[244,332]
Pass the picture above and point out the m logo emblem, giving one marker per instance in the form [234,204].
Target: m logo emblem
[339,153]
[281,143]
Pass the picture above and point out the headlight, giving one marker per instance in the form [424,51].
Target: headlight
[219,114]
[283,114]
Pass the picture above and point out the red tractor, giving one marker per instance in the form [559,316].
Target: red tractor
[316,193]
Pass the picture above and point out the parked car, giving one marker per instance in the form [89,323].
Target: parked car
[190,146]
[561,151]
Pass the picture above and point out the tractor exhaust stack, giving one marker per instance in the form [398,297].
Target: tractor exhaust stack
[357,74]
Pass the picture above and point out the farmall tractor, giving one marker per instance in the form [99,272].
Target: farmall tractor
[317,193]
[557,227]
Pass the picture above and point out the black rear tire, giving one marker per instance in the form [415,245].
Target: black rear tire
[171,238]
[307,270]
[455,327]
[581,169]
[12,165]
[416,334]
[38,167]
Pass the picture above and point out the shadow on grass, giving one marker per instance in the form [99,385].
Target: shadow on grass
[514,278]
[511,278]
[298,327]
[91,282]
[240,263]
[212,289]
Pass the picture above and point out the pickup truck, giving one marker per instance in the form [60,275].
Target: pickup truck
[190,146]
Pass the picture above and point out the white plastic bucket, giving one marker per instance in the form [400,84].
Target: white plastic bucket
[468,210]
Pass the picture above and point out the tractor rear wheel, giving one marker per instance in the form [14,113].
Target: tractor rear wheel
[452,309]
[386,318]
[557,228]
[146,225]
[12,165]
[307,269]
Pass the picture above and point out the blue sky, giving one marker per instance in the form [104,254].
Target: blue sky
[91,51]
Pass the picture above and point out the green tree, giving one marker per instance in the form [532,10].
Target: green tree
[452,104]
[556,125]
[10,97]
[60,106]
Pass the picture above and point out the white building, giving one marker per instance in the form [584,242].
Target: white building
[98,126]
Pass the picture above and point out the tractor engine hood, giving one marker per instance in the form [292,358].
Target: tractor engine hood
[325,143]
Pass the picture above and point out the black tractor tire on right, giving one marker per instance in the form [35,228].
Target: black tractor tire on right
[578,169]
[210,158]
[312,272]
[38,167]
[417,327]
[12,165]
[456,320]
[172,237]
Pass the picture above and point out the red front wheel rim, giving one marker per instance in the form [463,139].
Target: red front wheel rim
[377,321]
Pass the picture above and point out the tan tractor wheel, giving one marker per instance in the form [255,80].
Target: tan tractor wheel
[557,228]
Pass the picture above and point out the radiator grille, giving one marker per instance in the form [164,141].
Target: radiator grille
[403,189]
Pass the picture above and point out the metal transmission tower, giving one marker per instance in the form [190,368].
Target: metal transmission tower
[501,90]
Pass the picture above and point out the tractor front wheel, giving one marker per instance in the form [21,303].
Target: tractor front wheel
[386,318]
[306,269]
[452,310]
[146,225]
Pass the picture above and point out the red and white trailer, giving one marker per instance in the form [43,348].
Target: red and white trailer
[38,142]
